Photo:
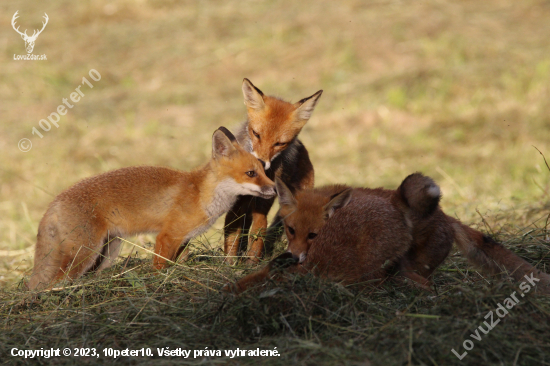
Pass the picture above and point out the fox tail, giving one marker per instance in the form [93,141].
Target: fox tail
[420,194]
[492,256]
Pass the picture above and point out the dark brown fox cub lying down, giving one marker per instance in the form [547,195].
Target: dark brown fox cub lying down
[357,235]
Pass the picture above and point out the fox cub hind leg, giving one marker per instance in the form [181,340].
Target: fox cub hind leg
[71,256]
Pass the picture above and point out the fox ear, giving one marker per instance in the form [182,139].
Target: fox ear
[285,195]
[305,107]
[222,143]
[337,202]
[253,97]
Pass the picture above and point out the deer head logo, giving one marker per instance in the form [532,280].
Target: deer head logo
[29,40]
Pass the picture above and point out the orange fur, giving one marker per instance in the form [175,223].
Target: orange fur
[79,231]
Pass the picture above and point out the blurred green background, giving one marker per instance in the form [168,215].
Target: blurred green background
[456,90]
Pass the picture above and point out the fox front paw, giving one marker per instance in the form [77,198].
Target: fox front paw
[230,288]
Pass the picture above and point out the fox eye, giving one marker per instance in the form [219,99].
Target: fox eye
[311,236]
[251,173]
[256,134]
[280,144]
[291,230]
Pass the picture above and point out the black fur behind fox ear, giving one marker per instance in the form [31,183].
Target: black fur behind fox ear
[253,97]
[227,133]
[305,107]
[339,201]
[222,143]
[285,195]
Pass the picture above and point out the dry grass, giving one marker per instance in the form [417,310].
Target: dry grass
[457,90]
[310,321]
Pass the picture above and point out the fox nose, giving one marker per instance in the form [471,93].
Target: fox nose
[262,162]
[269,191]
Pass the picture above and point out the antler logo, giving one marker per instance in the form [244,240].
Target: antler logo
[29,40]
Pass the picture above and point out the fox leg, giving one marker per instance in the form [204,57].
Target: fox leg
[237,219]
[79,258]
[259,228]
[166,248]
[248,281]
[48,255]
[183,252]
[284,262]
[47,267]
[171,238]
[71,264]
[407,269]
[110,252]
[256,237]
[70,255]
[418,280]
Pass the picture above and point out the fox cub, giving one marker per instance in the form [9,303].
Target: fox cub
[356,235]
[80,229]
[345,234]
[270,134]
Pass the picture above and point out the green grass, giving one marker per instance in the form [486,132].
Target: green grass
[456,90]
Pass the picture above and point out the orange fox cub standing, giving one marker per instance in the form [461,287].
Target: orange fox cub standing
[347,234]
[270,134]
[79,231]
